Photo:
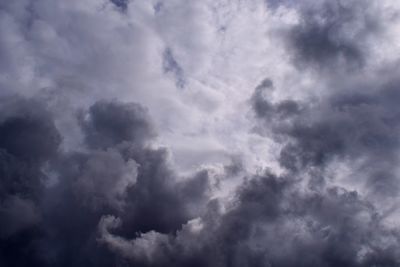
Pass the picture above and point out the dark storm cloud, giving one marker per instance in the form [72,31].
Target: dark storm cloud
[27,132]
[120,177]
[28,140]
[275,225]
[359,127]
[155,201]
[360,122]
[117,200]
[323,38]
[271,224]
[347,127]
[120,203]
[110,123]
[117,175]
[93,185]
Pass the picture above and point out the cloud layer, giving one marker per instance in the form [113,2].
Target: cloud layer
[199,133]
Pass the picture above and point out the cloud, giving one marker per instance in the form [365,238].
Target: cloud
[118,174]
[123,4]
[334,34]
[344,126]
[199,133]
[17,214]
[29,139]
[271,224]
[108,124]
[105,179]
[148,247]
[170,65]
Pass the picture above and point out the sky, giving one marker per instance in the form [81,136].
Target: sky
[210,133]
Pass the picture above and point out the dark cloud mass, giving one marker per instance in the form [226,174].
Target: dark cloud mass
[123,4]
[333,34]
[108,124]
[118,175]
[87,180]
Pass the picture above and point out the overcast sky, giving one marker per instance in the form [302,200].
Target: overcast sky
[209,133]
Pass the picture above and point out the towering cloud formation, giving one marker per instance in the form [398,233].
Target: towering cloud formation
[199,133]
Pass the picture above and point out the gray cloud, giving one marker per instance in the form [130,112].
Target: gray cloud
[29,139]
[109,123]
[92,129]
[323,39]
[170,65]
[360,123]
[118,175]
[272,224]
[123,4]
[104,179]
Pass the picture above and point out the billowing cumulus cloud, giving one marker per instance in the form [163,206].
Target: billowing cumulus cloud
[199,133]
[334,32]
